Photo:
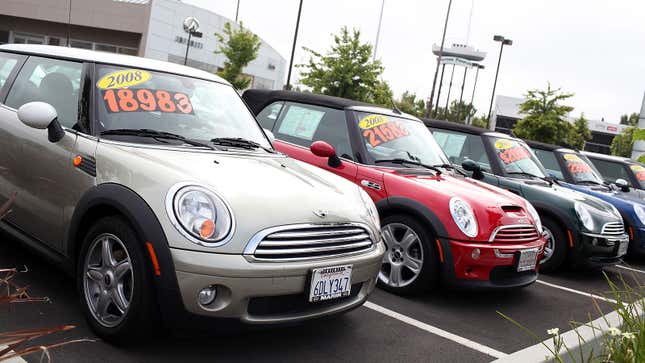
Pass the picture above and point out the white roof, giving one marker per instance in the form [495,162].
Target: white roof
[111,58]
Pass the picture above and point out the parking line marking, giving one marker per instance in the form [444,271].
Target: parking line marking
[630,268]
[436,331]
[594,296]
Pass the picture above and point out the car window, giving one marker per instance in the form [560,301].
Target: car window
[303,124]
[580,169]
[56,82]
[7,65]
[516,158]
[639,172]
[461,147]
[550,163]
[610,170]
[269,115]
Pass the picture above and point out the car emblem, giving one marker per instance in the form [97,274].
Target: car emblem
[321,213]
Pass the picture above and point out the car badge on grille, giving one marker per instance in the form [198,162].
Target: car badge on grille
[321,213]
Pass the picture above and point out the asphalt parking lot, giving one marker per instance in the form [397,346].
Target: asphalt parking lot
[443,326]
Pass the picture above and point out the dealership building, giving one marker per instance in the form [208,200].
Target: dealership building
[147,28]
[507,112]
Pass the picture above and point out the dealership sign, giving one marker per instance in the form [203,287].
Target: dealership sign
[457,61]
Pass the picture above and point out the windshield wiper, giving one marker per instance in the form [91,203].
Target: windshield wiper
[411,162]
[241,143]
[546,179]
[587,182]
[451,167]
[154,134]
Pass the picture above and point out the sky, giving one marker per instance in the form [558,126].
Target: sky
[592,48]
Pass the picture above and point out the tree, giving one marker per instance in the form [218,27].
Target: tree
[346,70]
[381,95]
[622,143]
[240,47]
[480,121]
[409,103]
[631,120]
[545,120]
[579,134]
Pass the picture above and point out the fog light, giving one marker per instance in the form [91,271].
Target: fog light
[207,295]
[476,253]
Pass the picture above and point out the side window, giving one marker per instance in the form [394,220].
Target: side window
[460,147]
[8,63]
[269,115]
[303,124]
[550,163]
[610,171]
[53,81]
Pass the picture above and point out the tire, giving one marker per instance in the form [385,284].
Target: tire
[558,243]
[124,295]
[421,251]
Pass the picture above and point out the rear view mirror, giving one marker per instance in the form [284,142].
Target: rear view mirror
[41,115]
[622,184]
[325,150]
[473,167]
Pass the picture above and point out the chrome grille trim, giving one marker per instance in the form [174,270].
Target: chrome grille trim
[301,242]
[613,229]
[514,233]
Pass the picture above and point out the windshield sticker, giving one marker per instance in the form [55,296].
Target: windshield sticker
[384,133]
[123,79]
[300,122]
[514,154]
[146,100]
[571,157]
[371,121]
[503,144]
[639,171]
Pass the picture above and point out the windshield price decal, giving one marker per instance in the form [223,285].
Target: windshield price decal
[123,79]
[503,144]
[371,121]
[146,100]
[578,167]
[639,171]
[383,133]
[571,157]
[514,154]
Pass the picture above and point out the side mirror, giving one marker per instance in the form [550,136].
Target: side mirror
[270,135]
[622,184]
[325,150]
[472,166]
[41,115]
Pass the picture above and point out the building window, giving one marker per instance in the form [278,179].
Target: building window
[4,36]
[56,41]
[80,44]
[26,38]
[128,51]
[105,48]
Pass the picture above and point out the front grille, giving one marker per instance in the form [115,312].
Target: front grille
[515,234]
[304,242]
[613,229]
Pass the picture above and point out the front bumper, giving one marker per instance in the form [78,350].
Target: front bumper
[491,269]
[599,250]
[267,292]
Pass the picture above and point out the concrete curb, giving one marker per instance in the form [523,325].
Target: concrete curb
[591,339]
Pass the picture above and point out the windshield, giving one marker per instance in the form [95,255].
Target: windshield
[515,157]
[639,173]
[580,169]
[389,137]
[193,108]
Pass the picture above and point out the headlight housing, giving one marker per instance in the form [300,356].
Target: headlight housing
[584,215]
[640,213]
[371,207]
[463,216]
[535,215]
[199,214]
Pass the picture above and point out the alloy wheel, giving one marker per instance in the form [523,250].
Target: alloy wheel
[403,257]
[549,247]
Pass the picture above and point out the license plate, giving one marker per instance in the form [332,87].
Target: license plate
[329,283]
[527,260]
[622,249]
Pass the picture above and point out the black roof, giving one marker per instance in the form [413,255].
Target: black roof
[258,99]
[454,126]
[621,159]
[545,146]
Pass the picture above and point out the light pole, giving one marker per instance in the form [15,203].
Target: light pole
[378,30]
[443,69]
[503,41]
[293,48]
[472,98]
[461,96]
[452,75]
[436,71]
[191,26]
[237,11]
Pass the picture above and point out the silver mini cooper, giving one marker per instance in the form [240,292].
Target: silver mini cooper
[156,188]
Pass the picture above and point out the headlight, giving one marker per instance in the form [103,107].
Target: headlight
[371,207]
[616,212]
[584,215]
[199,214]
[640,212]
[463,216]
[535,215]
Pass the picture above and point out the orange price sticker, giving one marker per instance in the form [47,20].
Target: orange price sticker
[578,167]
[514,154]
[383,133]
[146,100]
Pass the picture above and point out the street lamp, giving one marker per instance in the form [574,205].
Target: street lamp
[503,41]
[293,48]
[436,71]
[191,26]
[378,30]
[472,98]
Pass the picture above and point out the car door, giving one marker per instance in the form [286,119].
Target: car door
[39,171]
[296,126]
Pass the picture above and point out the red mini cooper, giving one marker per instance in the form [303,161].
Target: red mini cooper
[438,225]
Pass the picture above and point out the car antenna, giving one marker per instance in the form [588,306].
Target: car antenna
[394,108]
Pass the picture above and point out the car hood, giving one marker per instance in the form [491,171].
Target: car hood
[262,190]
[623,201]
[493,207]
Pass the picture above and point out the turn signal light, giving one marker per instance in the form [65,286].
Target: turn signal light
[207,229]
[77,160]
